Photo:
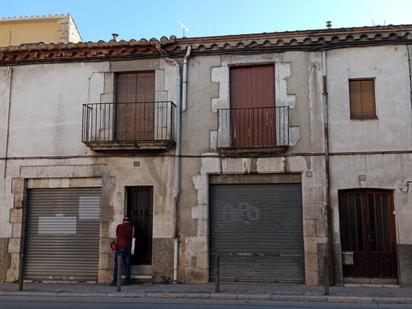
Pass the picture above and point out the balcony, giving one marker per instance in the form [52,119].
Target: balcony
[258,130]
[134,126]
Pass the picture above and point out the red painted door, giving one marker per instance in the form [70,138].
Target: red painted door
[367,227]
[252,106]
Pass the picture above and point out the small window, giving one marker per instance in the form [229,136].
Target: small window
[362,98]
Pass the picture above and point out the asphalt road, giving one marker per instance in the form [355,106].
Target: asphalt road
[110,303]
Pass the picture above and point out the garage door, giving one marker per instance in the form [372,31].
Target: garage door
[62,234]
[257,231]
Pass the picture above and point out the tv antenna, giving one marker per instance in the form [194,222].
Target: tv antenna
[185,29]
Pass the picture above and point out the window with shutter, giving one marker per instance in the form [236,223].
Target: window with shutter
[362,98]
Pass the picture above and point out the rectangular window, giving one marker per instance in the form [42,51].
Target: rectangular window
[362,98]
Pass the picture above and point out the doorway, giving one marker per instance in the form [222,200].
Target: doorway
[367,229]
[140,211]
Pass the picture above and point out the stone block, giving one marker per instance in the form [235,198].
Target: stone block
[297,164]
[199,212]
[160,80]
[12,275]
[4,258]
[85,182]
[14,245]
[38,183]
[311,269]
[104,244]
[106,98]
[105,231]
[105,261]
[235,165]
[16,230]
[162,259]
[311,211]
[196,244]
[18,200]
[16,215]
[321,228]
[14,260]
[17,185]
[311,243]
[272,165]
[59,183]
[106,212]
[105,276]
[309,228]
[202,261]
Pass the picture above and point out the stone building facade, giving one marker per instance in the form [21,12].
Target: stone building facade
[270,151]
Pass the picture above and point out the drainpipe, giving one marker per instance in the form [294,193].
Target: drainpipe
[10,73]
[184,85]
[327,167]
[408,49]
[181,107]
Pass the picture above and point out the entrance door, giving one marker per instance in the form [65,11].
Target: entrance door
[140,212]
[135,105]
[252,106]
[367,227]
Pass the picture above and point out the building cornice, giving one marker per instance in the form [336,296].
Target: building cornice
[306,40]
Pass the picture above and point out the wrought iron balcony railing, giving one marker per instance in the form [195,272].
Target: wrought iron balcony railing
[257,127]
[134,124]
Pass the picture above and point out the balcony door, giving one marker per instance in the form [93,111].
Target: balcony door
[135,105]
[252,106]
[367,228]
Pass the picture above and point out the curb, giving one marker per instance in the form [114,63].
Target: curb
[221,296]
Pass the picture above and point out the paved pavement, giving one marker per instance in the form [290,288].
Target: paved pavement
[19,302]
[229,291]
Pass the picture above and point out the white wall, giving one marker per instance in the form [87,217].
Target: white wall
[392,130]
[46,107]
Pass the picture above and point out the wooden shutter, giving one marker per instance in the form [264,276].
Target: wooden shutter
[252,103]
[135,101]
[362,98]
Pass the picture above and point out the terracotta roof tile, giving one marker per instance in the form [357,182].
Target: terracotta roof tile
[172,46]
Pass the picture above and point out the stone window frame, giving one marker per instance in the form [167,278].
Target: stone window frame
[220,75]
[314,227]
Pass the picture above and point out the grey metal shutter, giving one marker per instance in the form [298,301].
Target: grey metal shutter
[258,231]
[62,234]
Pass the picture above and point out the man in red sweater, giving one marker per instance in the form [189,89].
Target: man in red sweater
[124,237]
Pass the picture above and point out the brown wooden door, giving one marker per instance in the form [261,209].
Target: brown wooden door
[367,227]
[252,106]
[135,106]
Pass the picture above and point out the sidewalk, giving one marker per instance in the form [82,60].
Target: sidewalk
[229,291]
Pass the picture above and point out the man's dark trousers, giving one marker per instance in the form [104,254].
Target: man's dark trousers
[125,254]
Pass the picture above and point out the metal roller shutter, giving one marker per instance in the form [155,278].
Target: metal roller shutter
[257,230]
[62,234]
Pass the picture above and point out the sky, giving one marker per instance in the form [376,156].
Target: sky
[135,19]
